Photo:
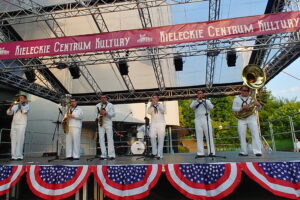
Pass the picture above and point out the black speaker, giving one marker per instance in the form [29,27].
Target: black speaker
[75,71]
[30,75]
[178,63]
[231,58]
[123,67]
[61,65]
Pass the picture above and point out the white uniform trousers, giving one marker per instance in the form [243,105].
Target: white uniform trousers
[157,130]
[201,127]
[106,128]
[17,136]
[73,142]
[251,123]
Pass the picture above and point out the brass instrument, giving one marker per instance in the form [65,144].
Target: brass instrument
[254,77]
[101,117]
[65,121]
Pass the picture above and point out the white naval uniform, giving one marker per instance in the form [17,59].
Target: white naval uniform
[157,129]
[251,122]
[201,126]
[18,127]
[106,128]
[73,137]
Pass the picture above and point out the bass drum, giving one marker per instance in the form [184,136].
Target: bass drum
[137,148]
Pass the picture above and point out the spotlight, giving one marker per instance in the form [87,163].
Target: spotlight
[123,67]
[30,76]
[231,58]
[212,52]
[61,65]
[75,71]
[178,63]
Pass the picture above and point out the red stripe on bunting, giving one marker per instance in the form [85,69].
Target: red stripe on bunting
[206,193]
[55,193]
[276,186]
[13,178]
[137,190]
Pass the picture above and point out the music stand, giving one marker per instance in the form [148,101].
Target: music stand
[54,133]
[208,135]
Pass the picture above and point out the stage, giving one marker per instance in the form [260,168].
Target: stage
[177,176]
[177,158]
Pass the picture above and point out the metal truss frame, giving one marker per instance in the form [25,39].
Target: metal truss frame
[145,17]
[79,8]
[213,14]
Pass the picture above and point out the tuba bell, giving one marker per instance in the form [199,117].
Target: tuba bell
[254,77]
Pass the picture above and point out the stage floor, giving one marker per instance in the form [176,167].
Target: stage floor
[177,158]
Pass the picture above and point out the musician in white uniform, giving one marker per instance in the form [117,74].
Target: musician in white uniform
[75,117]
[240,103]
[18,126]
[106,111]
[157,127]
[202,109]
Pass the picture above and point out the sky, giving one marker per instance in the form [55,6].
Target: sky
[281,86]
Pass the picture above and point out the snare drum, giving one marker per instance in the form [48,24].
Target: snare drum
[137,148]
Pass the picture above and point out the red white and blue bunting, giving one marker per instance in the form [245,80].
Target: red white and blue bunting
[9,176]
[56,182]
[127,181]
[204,181]
[280,178]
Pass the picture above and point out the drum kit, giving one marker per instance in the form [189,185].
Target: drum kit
[138,147]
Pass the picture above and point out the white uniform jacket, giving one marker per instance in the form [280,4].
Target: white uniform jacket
[110,112]
[200,107]
[20,114]
[76,120]
[158,117]
[240,101]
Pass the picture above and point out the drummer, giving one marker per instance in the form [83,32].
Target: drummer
[142,131]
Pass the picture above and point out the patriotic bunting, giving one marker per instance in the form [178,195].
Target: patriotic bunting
[9,176]
[204,181]
[127,181]
[280,178]
[56,182]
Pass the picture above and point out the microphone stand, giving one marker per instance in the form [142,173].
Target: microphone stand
[54,133]
[211,155]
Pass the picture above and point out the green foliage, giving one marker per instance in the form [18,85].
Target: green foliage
[274,110]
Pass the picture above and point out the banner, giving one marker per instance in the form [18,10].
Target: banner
[158,36]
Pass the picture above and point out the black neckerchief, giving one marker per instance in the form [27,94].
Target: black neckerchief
[71,110]
[155,109]
[244,102]
[199,103]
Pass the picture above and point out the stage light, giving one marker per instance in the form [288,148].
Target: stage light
[74,70]
[30,76]
[178,63]
[123,67]
[212,52]
[61,65]
[231,58]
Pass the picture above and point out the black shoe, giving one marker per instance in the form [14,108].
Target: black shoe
[68,158]
[241,154]
[75,159]
[13,159]
[159,158]
[258,154]
[199,156]
[103,158]
[111,158]
[152,156]
[19,159]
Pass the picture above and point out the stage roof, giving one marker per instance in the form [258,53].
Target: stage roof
[150,69]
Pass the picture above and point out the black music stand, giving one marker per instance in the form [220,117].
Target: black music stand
[208,134]
[56,130]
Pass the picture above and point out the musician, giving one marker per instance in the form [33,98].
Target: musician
[75,117]
[240,103]
[157,127]
[202,109]
[19,110]
[105,112]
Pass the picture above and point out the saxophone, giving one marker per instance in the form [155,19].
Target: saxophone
[65,121]
[101,117]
